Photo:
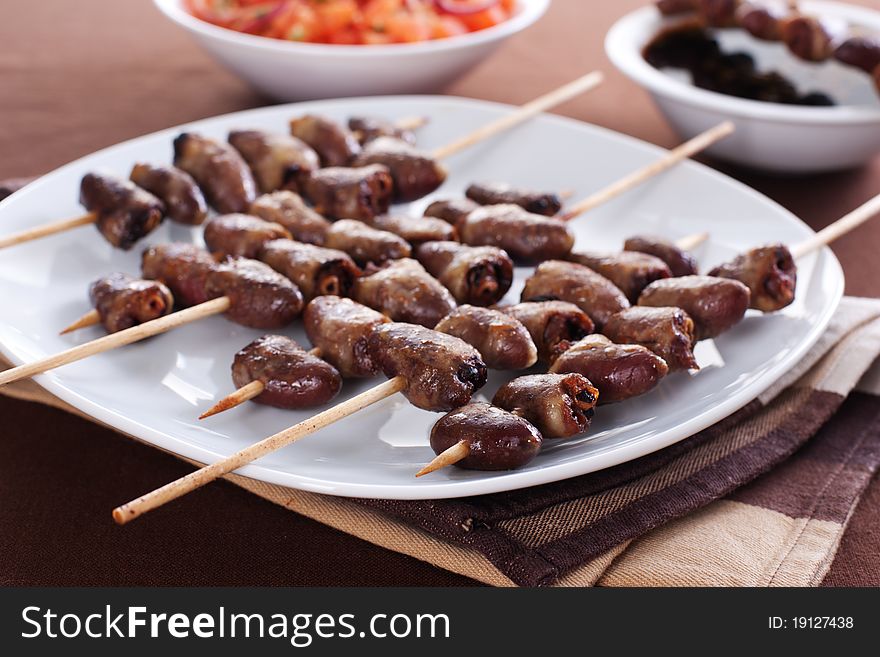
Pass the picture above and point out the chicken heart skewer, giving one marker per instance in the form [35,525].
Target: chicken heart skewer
[524,113]
[435,371]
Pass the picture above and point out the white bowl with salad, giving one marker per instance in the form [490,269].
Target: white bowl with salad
[304,49]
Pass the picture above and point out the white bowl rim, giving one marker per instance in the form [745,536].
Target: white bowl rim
[531,11]
[626,55]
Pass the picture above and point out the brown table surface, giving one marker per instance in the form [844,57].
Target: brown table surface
[78,76]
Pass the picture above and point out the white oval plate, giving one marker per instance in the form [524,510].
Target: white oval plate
[155,390]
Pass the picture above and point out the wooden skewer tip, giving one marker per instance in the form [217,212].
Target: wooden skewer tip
[89,319]
[447,457]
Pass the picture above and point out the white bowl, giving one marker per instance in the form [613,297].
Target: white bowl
[289,71]
[769,136]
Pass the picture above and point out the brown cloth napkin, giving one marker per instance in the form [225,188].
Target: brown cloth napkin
[686,515]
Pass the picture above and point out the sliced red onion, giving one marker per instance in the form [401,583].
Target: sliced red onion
[464,7]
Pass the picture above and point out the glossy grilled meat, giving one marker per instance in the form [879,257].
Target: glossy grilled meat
[241,235]
[260,297]
[577,284]
[184,201]
[630,271]
[365,244]
[769,272]
[184,268]
[525,236]
[414,172]
[668,332]
[545,203]
[288,209]
[441,371]
[368,128]
[292,377]
[349,193]
[559,405]
[680,262]
[503,342]
[715,304]
[314,269]
[497,440]
[405,292]
[619,371]
[807,38]
[276,160]
[479,275]
[341,328]
[220,171]
[551,323]
[451,211]
[415,230]
[125,212]
[860,52]
[334,143]
[123,301]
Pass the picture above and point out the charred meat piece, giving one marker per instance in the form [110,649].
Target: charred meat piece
[123,301]
[859,52]
[341,328]
[349,193]
[415,230]
[441,371]
[619,371]
[292,377]
[667,331]
[559,405]
[769,272]
[314,269]
[544,203]
[414,173]
[334,143]
[260,297]
[719,13]
[807,38]
[715,304]
[277,161]
[567,281]
[368,128]
[503,342]
[184,202]
[763,23]
[405,292]
[630,271]
[365,244]
[479,275]
[220,171]
[184,268]
[525,236]
[452,211]
[241,235]
[288,209]
[551,323]
[125,212]
[680,262]
[496,439]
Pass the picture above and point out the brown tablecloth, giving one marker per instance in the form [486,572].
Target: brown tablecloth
[80,76]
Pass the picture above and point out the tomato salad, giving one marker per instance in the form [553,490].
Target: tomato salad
[354,22]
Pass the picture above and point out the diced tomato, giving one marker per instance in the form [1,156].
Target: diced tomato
[483,19]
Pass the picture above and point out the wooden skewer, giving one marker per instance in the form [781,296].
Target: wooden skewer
[447,457]
[636,178]
[243,394]
[839,228]
[89,319]
[524,113]
[691,242]
[411,122]
[47,229]
[209,473]
[114,340]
